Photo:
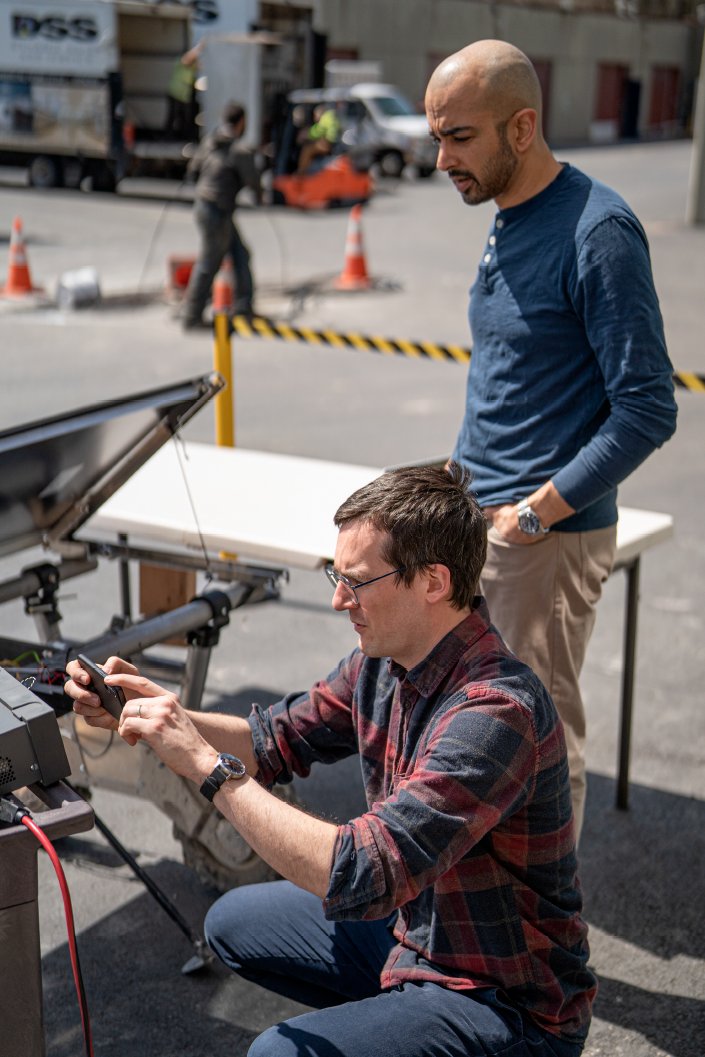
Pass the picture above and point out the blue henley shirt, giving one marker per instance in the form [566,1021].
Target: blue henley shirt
[569,379]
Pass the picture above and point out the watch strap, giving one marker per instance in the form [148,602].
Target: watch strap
[226,767]
[211,785]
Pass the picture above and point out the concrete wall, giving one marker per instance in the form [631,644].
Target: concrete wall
[408,36]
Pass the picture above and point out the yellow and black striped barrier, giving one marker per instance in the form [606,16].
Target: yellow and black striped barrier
[260,327]
[688,380]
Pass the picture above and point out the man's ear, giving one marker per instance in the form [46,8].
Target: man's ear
[438,583]
[524,125]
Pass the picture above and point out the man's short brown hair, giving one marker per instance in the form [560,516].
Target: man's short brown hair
[429,516]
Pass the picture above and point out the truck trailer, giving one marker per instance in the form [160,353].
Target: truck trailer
[84,87]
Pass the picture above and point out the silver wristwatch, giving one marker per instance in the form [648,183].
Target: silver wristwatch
[529,520]
[226,768]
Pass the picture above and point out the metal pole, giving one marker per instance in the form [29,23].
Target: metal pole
[125,592]
[225,400]
[195,673]
[146,633]
[29,581]
[695,209]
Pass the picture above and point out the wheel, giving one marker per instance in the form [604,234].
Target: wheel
[391,163]
[45,171]
[104,179]
[219,855]
[73,173]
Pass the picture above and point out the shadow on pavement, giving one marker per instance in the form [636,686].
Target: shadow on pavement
[643,870]
[139,1002]
[674,1024]
[642,875]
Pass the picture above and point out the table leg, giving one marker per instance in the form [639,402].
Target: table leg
[629,659]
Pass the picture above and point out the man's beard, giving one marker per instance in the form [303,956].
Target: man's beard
[495,180]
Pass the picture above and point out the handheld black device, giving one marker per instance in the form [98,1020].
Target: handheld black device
[111,697]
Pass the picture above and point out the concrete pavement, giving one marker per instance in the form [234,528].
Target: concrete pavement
[642,870]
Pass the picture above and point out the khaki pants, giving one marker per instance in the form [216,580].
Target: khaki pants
[542,597]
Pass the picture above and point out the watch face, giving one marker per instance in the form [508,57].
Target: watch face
[231,765]
[529,523]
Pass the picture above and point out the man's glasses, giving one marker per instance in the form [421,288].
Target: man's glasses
[350,590]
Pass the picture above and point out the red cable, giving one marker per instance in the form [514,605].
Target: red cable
[68,911]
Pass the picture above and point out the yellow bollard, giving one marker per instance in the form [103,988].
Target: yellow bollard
[223,364]
[225,399]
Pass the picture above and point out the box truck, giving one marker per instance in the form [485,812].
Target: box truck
[84,84]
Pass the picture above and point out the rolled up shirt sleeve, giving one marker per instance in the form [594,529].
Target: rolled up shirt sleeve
[306,728]
[446,804]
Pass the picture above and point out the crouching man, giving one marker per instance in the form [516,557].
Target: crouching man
[445,920]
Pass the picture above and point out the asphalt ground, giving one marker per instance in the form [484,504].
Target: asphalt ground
[642,870]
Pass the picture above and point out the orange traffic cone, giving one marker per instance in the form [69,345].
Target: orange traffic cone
[18,282]
[354,274]
[224,287]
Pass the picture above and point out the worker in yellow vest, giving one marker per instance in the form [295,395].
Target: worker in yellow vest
[181,97]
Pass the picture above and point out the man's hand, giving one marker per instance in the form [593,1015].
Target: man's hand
[505,519]
[546,502]
[150,712]
[155,715]
[86,702]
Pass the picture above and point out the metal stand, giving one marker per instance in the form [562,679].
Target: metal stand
[20,954]
[200,620]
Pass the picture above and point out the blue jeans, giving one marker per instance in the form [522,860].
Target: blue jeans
[219,236]
[276,935]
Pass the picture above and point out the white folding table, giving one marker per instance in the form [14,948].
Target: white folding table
[279,508]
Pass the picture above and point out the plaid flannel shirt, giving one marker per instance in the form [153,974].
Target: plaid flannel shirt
[469,830]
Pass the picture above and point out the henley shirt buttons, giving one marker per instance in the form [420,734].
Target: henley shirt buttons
[487,258]
[499,223]
[492,239]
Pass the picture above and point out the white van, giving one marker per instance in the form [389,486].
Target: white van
[379,116]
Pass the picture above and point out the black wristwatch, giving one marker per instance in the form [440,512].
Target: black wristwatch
[529,520]
[226,768]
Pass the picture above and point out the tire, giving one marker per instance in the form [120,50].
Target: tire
[73,173]
[103,179]
[45,171]
[218,854]
[391,164]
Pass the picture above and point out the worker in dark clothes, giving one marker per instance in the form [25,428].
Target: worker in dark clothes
[221,170]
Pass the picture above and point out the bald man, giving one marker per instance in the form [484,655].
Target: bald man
[570,386]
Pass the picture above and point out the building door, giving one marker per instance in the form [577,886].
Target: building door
[611,82]
[665,93]
[608,119]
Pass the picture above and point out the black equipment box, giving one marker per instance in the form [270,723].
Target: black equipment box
[31,746]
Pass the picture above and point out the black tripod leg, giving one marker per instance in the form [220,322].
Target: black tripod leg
[203,955]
